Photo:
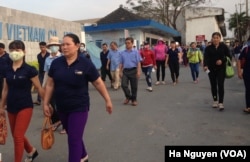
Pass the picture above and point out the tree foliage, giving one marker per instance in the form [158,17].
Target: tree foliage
[240,23]
[164,11]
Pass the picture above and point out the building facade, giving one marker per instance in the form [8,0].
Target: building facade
[32,29]
[198,23]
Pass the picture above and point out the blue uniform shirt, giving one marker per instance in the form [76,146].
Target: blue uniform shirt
[71,83]
[48,62]
[19,87]
[114,57]
[130,58]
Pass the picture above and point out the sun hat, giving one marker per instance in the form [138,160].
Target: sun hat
[53,41]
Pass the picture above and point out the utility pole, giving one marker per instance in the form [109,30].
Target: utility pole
[247,7]
[237,22]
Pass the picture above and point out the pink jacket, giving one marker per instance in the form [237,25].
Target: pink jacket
[160,51]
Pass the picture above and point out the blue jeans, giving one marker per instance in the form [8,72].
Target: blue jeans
[194,70]
[147,71]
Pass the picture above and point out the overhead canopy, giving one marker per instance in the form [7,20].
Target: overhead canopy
[145,25]
[121,19]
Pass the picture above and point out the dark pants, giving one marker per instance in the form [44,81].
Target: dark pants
[194,70]
[40,76]
[74,124]
[147,71]
[174,68]
[160,67]
[217,79]
[105,72]
[54,116]
[1,87]
[129,77]
[247,87]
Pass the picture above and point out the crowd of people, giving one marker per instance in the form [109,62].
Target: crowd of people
[65,70]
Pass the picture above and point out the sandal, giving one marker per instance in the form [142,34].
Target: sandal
[30,158]
[247,110]
[55,126]
[63,131]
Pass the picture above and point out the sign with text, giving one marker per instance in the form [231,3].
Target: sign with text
[199,38]
[207,153]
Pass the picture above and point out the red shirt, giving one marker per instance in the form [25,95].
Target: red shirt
[148,57]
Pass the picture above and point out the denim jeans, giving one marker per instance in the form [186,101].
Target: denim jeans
[147,71]
[194,70]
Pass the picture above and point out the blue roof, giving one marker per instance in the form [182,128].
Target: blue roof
[142,24]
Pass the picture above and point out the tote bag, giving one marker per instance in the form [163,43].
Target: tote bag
[229,69]
[3,130]
[47,134]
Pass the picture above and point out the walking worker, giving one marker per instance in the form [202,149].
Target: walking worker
[130,71]
[18,80]
[54,47]
[114,58]
[68,80]
[41,57]
[215,66]
[148,63]
[173,58]
[104,61]
[243,66]
[194,56]
[160,50]
[4,62]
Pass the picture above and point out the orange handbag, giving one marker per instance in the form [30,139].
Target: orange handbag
[47,134]
[3,129]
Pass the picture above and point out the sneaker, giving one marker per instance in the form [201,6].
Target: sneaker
[163,82]
[157,83]
[150,89]
[221,106]
[215,104]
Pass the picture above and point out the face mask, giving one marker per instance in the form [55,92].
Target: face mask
[15,55]
[82,48]
[54,49]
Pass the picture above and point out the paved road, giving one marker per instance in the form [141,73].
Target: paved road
[170,115]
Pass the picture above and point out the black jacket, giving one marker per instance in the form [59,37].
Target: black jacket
[212,54]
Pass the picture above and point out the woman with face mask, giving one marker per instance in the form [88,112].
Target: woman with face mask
[82,51]
[215,66]
[18,80]
[54,47]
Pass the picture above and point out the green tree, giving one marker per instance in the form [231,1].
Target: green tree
[164,11]
[239,22]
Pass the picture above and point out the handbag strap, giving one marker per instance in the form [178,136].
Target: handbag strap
[47,122]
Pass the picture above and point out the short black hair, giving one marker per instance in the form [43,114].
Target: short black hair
[2,45]
[42,44]
[104,44]
[172,42]
[17,44]
[82,44]
[130,39]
